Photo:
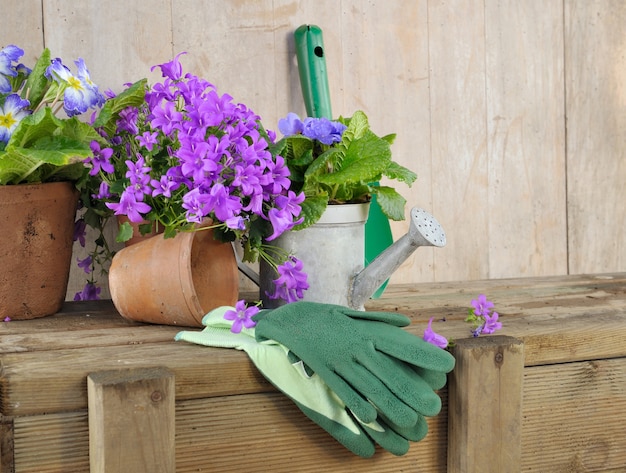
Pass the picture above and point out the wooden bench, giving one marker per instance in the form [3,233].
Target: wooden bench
[547,394]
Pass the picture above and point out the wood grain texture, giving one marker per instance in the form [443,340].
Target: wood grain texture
[131,421]
[485,406]
[510,112]
[526,139]
[595,65]
[458,136]
[228,418]
[573,417]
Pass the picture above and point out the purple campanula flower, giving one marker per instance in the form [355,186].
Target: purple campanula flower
[80,231]
[163,187]
[223,204]
[491,323]
[147,139]
[129,206]
[103,191]
[282,216]
[166,118]
[173,69]
[247,179]
[291,282]
[85,264]
[241,316]
[481,305]
[139,177]
[127,120]
[434,338]
[276,179]
[90,292]
[196,205]
[101,159]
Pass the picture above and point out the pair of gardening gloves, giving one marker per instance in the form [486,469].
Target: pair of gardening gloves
[357,374]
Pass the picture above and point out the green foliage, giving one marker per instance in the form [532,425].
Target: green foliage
[43,147]
[344,172]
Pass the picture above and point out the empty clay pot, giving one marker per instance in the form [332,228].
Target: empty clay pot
[37,227]
[174,281]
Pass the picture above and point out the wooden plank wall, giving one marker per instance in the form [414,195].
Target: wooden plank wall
[511,113]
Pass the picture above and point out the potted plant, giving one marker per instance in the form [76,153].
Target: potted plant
[334,163]
[42,146]
[191,160]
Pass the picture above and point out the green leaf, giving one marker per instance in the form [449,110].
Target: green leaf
[312,209]
[125,233]
[400,173]
[42,141]
[37,83]
[365,160]
[133,96]
[390,201]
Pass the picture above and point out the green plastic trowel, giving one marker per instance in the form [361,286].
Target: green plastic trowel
[316,94]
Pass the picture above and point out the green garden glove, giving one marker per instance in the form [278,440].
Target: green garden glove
[365,358]
[308,391]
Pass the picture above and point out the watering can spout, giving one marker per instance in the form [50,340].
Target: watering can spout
[424,230]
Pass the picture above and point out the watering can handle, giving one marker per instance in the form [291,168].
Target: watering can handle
[312,69]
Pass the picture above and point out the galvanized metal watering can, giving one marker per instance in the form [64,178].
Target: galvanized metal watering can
[333,249]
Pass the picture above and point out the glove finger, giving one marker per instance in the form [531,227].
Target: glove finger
[407,347]
[378,393]
[353,439]
[414,433]
[405,384]
[435,379]
[349,395]
[391,318]
[386,437]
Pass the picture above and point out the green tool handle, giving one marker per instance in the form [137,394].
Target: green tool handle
[312,69]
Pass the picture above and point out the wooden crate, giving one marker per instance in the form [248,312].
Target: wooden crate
[548,394]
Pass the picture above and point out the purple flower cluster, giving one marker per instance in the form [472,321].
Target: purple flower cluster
[483,318]
[188,156]
[321,129]
[78,93]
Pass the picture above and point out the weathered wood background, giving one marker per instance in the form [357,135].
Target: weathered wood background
[513,113]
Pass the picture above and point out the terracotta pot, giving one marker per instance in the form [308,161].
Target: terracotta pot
[174,281]
[36,237]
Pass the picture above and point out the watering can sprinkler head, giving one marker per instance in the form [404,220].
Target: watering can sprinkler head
[424,230]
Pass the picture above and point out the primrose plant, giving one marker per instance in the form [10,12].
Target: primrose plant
[41,137]
[335,162]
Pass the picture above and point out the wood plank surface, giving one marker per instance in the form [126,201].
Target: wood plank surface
[456,32]
[595,67]
[269,429]
[510,112]
[486,416]
[574,417]
[131,421]
[525,95]
[559,319]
